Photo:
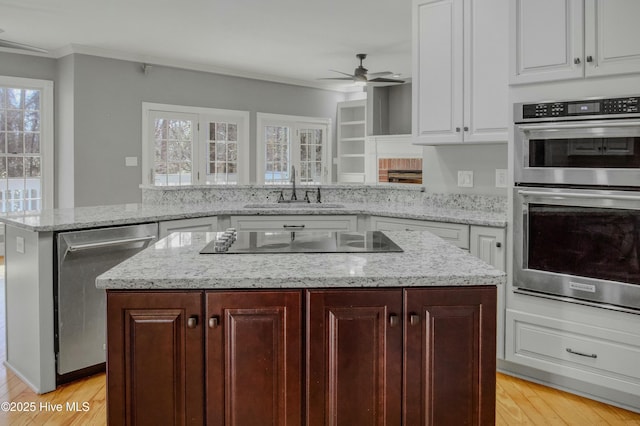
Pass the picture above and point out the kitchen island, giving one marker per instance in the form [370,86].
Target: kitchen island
[331,338]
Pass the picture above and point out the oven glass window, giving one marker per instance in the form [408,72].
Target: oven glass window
[585,241]
[610,152]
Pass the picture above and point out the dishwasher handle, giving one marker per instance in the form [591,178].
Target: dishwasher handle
[109,243]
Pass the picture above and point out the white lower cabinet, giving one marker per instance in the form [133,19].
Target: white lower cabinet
[295,223]
[588,352]
[206,224]
[454,233]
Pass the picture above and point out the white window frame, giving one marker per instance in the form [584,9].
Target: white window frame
[46,130]
[295,122]
[201,115]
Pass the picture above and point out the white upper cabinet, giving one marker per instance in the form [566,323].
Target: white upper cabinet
[460,68]
[568,39]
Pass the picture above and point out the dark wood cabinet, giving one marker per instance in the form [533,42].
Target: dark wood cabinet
[155,368]
[354,357]
[362,356]
[449,356]
[253,358]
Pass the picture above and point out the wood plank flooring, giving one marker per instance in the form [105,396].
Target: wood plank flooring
[518,402]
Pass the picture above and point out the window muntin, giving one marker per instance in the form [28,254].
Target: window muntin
[173,140]
[222,147]
[311,149]
[277,158]
[22,157]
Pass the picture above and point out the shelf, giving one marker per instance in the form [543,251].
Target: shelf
[352,123]
[352,139]
[352,155]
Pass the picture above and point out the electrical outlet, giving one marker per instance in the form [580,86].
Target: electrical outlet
[501,178]
[20,245]
[131,161]
[465,178]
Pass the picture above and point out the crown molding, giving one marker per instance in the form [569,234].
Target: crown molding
[192,66]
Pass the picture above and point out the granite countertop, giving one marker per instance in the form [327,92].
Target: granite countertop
[124,214]
[175,263]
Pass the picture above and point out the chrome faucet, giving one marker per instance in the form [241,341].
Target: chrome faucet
[293,182]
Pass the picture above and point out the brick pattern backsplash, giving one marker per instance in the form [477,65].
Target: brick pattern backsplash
[386,164]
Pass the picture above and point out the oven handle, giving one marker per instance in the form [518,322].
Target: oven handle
[526,193]
[563,126]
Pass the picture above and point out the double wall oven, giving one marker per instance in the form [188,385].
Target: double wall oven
[577,201]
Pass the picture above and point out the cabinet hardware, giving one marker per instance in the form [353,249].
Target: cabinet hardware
[577,61]
[571,351]
[466,128]
[589,58]
[414,319]
[192,322]
[393,320]
[458,129]
[498,244]
[214,322]
[293,226]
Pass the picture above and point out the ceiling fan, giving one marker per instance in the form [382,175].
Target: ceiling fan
[20,46]
[361,76]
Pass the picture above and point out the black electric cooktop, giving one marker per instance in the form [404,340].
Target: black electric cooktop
[300,242]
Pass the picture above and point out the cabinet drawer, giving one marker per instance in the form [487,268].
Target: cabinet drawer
[295,223]
[454,233]
[592,349]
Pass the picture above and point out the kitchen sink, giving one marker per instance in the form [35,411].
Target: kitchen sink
[294,206]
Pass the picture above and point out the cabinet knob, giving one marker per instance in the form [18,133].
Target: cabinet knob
[414,319]
[577,61]
[192,322]
[466,128]
[498,244]
[393,320]
[589,58]
[458,129]
[214,322]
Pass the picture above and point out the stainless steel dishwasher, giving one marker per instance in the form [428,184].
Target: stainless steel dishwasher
[80,307]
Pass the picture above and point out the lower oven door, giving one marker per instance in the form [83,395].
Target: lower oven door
[582,244]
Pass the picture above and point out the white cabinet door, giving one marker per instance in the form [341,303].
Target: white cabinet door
[611,37]
[437,67]
[489,245]
[486,66]
[460,64]
[546,40]
[204,224]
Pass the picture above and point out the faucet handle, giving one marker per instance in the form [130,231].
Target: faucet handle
[318,196]
[306,196]
[281,197]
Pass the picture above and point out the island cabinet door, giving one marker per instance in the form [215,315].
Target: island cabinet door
[155,363]
[253,357]
[450,358]
[354,360]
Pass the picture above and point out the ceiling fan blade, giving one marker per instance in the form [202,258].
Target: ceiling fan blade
[337,78]
[343,73]
[21,46]
[378,74]
[385,80]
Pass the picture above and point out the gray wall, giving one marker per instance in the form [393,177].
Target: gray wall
[440,167]
[27,66]
[389,110]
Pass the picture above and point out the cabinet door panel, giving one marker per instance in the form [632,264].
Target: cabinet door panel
[546,37]
[450,356]
[612,33]
[437,67]
[354,357]
[253,358]
[154,360]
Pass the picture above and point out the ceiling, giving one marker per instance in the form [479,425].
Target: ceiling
[293,41]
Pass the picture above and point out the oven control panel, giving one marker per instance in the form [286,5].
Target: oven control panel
[595,107]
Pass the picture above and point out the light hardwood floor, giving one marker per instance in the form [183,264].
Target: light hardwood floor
[518,402]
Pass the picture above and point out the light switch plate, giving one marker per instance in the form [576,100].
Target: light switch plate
[465,178]
[131,161]
[20,245]
[501,178]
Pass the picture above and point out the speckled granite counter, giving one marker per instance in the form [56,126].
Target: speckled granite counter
[122,214]
[175,263]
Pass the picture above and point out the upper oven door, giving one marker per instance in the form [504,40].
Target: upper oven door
[579,243]
[594,152]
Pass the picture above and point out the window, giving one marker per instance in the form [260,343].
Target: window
[286,141]
[26,144]
[191,146]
